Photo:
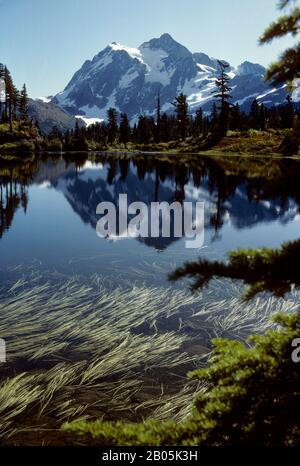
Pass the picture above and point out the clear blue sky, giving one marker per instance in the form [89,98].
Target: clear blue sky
[43,42]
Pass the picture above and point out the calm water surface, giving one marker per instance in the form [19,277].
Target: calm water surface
[71,301]
[48,212]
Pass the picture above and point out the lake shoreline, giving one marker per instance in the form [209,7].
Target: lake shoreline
[248,143]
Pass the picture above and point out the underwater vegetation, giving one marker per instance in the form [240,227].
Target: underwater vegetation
[85,349]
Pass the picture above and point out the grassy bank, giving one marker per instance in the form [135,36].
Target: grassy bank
[20,137]
[251,142]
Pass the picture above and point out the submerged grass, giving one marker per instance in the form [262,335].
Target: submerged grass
[79,349]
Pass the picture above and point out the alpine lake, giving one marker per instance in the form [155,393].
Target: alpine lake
[93,327]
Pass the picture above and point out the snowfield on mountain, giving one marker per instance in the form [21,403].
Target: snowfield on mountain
[129,79]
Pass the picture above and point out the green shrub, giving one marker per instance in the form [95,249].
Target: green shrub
[26,145]
[263,269]
[54,145]
[291,143]
[253,398]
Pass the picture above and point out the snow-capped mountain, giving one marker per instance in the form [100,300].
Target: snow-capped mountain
[130,79]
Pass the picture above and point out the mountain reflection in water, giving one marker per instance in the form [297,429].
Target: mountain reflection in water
[246,205]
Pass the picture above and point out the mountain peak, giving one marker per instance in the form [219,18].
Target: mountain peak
[166,43]
[250,68]
[131,51]
[203,59]
[166,37]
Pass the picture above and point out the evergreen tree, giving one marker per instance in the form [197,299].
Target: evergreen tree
[223,95]
[205,126]
[77,129]
[262,117]
[55,133]
[164,127]
[134,135]
[265,269]
[2,90]
[15,102]
[158,121]
[235,118]
[124,135]
[9,96]
[112,125]
[23,104]
[37,125]
[2,68]
[255,115]
[274,118]
[181,109]
[68,143]
[172,128]
[145,129]
[287,68]
[288,114]
[198,122]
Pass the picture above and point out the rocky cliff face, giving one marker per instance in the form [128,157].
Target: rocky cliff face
[48,115]
[130,79]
